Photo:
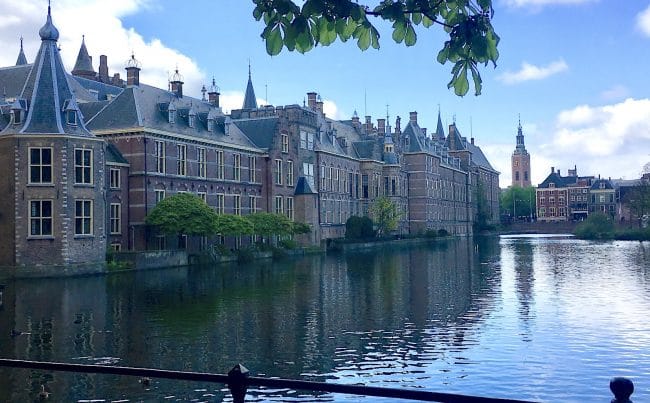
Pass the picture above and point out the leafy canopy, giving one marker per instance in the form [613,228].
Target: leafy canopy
[467,23]
[183,213]
[385,215]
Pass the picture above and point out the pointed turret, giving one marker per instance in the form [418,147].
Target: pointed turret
[521,147]
[440,131]
[250,102]
[84,65]
[22,60]
[51,105]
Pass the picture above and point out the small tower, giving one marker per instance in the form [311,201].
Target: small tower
[520,162]
[176,83]
[22,60]
[84,65]
[250,102]
[133,71]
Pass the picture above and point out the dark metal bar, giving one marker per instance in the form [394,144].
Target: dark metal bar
[239,381]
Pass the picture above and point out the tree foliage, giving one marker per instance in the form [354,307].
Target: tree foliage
[183,213]
[268,224]
[638,200]
[468,24]
[385,215]
[518,201]
[233,225]
[596,226]
[359,228]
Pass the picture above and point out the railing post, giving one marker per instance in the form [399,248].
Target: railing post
[237,383]
[622,388]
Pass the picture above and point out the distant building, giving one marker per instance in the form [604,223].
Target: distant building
[520,162]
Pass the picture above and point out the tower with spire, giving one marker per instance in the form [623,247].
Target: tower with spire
[53,196]
[520,161]
[83,67]
[22,60]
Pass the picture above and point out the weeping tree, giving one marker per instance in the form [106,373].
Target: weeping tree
[183,214]
[467,24]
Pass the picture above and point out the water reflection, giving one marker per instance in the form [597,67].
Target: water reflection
[454,316]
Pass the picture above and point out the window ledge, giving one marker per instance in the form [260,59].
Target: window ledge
[83,236]
[44,185]
[40,237]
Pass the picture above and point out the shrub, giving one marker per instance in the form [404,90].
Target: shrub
[359,228]
[431,233]
[596,226]
[288,244]
[443,232]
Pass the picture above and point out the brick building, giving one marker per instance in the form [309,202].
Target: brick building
[520,162]
[93,154]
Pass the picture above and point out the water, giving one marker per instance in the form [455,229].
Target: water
[537,318]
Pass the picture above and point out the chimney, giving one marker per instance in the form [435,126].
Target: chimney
[213,98]
[132,71]
[117,80]
[471,140]
[311,100]
[355,120]
[552,170]
[319,106]
[413,117]
[103,68]
[176,83]
[381,126]
[424,131]
[368,124]
[398,128]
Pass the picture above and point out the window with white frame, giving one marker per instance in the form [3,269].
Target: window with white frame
[252,204]
[200,158]
[83,217]
[115,178]
[40,218]
[116,246]
[160,157]
[236,167]
[220,164]
[308,172]
[278,172]
[252,169]
[279,205]
[115,215]
[203,196]
[290,173]
[181,165]
[83,169]
[236,200]
[160,195]
[40,165]
[285,142]
[289,209]
[221,203]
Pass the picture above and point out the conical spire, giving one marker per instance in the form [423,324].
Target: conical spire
[21,55]
[521,147]
[52,106]
[250,101]
[440,130]
[84,65]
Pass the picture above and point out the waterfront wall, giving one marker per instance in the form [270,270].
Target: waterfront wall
[153,259]
[564,227]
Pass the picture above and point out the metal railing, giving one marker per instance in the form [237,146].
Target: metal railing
[238,381]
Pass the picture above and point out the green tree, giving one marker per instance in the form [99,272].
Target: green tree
[385,215]
[232,225]
[471,39]
[483,213]
[300,228]
[268,224]
[359,228]
[596,226]
[518,201]
[183,213]
[638,200]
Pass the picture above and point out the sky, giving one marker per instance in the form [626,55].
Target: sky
[574,72]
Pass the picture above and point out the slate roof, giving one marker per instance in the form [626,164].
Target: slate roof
[478,158]
[114,155]
[83,64]
[21,55]
[48,92]
[598,182]
[250,102]
[440,130]
[12,80]
[558,180]
[303,187]
[259,130]
[103,91]
[147,107]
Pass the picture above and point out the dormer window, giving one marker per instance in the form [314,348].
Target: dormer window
[191,120]
[172,115]
[210,125]
[226,128]
[71,117]
[17,109]
[16,116]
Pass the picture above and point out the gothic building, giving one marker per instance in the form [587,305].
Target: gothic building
[89,156]
[520,162]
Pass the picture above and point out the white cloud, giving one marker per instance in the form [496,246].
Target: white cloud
[531,72]
[106,35]
[332,110]
[643,21]
[611,140]
[540,3]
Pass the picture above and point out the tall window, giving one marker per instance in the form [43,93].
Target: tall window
[290,207]
[237,204]
[308,171]
[290,173]
[220,164]
[83,217]
[323,179]
[40,165]
[200,157]
[236,167]
[116,212]
[252,203]
[330,178]
[279,205]
[306,140]
[203,196]
[160,157]
[83,166]
[115,178]
[181,166]
[160,195]
[252,167]
[221,203]
[40,218]
[278,172]
[285,142]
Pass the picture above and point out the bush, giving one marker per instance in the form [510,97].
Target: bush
[431,233]
[288,244]
[596,226]
[443,232]
[359,228]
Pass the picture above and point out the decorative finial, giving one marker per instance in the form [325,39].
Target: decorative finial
[519,114]
[387,114]
[21,42]
[454,118]
[249,68]
[83,38]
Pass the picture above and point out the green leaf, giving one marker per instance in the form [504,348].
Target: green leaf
[443,55]
[274,42]
[417,18]
[326,32]
[478,82]
[461,85]
[399,31]
[411,37]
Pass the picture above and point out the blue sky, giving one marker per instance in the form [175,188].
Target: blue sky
[575,70]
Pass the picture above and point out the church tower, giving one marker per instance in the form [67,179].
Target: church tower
[520,162]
